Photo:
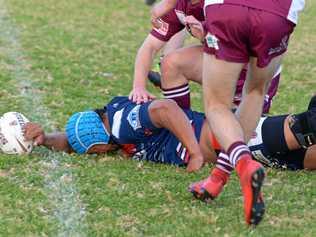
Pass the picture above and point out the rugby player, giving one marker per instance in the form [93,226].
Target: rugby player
[182,65]
[239,32]
[150,131]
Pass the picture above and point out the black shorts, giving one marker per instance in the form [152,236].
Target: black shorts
[268,145]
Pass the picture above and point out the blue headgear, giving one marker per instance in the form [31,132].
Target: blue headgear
[85,129]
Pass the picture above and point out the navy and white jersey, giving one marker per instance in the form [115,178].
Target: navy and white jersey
[131,124]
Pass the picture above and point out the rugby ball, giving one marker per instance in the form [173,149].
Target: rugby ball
[12,134]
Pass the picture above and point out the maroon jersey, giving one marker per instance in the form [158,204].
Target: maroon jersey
[284,8]
[173,22]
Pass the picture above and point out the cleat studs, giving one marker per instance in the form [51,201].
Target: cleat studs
[255,176]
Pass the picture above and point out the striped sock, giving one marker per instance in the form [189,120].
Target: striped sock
[236,151]
[223,163]
[180,94]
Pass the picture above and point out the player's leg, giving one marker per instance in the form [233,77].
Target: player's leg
[176,42]
[310,158]
[178,68]
[280,142]
[255,89]
[272,91]
[219,80]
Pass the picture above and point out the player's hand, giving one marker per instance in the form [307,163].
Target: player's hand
[195,27]
[35,132]
[195,163]
[140,95]
[154,18]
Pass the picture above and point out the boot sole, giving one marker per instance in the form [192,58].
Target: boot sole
[258,207]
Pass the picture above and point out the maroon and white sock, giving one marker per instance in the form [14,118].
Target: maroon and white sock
[236,151]
[180,94]
[223,163]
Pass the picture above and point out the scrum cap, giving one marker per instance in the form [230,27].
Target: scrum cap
[84,130]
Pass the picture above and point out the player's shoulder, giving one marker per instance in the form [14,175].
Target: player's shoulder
[118,102]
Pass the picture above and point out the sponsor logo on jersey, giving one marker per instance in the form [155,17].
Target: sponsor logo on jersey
[164,28]
[258,155]
[212,41]
[281,47]
[133,118]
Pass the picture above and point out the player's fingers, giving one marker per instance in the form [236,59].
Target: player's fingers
[145,98]
[135,98]
[38,141]
[130,96]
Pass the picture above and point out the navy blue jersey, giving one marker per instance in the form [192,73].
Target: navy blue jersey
[130,124]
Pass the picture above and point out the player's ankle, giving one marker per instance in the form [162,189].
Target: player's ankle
[221,174]
[242,163]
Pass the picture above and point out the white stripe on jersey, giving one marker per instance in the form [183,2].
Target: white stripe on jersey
[257,139]
[210,2]
[180,15]
[183,153]
[296,7]
[117,119]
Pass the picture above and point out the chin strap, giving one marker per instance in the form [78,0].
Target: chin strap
[303,127]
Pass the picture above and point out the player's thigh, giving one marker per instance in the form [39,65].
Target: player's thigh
[183,64]
[310,158]
[260,78]
[219,79]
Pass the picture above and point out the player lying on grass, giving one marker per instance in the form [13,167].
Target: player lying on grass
[181,65]
[160,131]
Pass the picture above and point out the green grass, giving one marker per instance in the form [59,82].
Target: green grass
[78,54]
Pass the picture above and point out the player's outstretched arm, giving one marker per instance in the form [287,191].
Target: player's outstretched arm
[143,63]
[54,141]
[167,114]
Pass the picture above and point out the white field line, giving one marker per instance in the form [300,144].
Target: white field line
[60,185]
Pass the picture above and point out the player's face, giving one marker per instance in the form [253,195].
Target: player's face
[101,149]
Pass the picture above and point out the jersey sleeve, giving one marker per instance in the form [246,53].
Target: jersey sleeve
[170,26]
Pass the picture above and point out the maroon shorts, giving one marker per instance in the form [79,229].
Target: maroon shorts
[235,33]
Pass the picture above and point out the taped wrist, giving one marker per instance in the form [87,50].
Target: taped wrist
[303,127]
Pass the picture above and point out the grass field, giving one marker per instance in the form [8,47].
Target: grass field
[58,57]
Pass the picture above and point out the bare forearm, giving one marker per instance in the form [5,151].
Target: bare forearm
[144,60]
[170,116]
[57,142]
[163,7]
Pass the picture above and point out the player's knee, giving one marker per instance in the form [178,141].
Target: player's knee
[170,63]
[259,89]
